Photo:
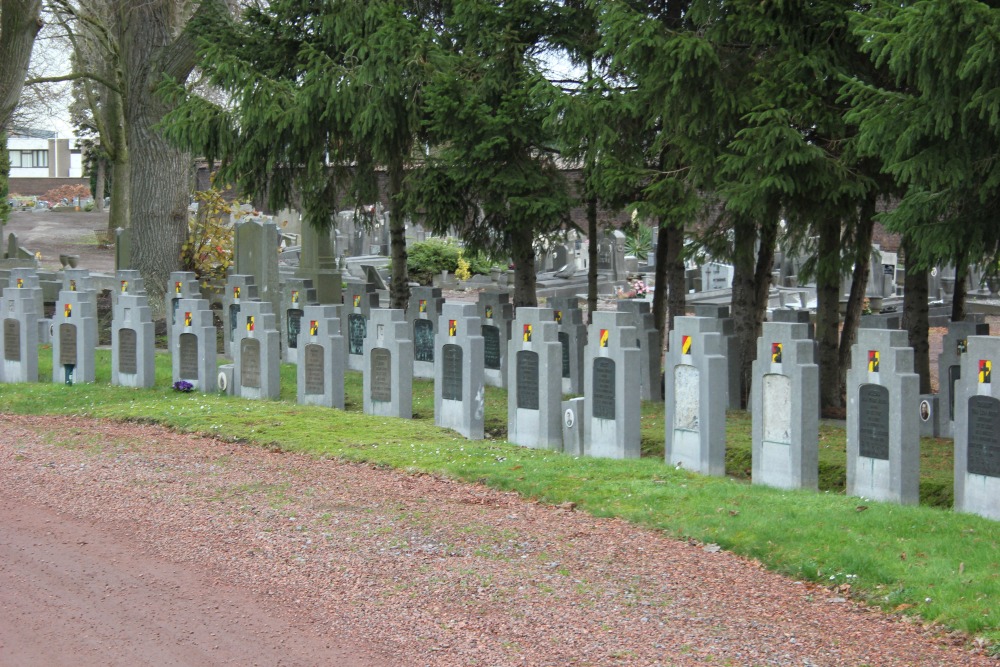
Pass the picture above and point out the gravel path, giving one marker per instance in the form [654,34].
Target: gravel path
[326,563]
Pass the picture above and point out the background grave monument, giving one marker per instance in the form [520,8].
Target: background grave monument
[611,375]
[650,344]
[20,331]
[320,372]
[534,394]
[572,337]
[359,302]
[388,373]
[296,293]
[730,350]
[459,386]
[423,312]
[182,285]
[239,289]
[496,313]
[255,250]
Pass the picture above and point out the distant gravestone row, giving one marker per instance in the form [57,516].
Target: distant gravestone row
[539,355]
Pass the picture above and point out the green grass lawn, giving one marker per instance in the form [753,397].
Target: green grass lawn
[926,560]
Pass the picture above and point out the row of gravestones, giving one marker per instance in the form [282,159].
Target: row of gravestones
[883,418]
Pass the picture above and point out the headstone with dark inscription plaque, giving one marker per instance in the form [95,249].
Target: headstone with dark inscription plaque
[296,293]
[320,373]
[883,420]
[359,301]
[610,381]
[20,312]
[75,323]
[534,393]
[422,312]
[953,346]
[784,400]
[239,289]
[650,344]
[696,397]
[459,386]
[132,336]
[977,430]
[193,345]
[181,285]
[388,369]
[257,353]
[572,337]
[496,314]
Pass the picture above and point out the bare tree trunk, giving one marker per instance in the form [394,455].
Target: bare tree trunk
[523,254]
[591,257]
[660,279]
[119,216]
[673,237]
[859,280]
[827,312]
[399,286]
[751,287]
[915,321]
[961,287]
[19,23]
[102,167]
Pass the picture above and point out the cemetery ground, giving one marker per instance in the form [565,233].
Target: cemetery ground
[397,542]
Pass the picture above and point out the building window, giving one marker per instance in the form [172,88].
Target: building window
[29,159]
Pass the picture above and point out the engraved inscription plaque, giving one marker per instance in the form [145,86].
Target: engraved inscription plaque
[564,341]
[250,363]
[127,352]
[451,375]
[314,363]
[984,436]
[188,349]
[381,370]
[234,317]
[603,389]
[491,346]
[357,329]
[67,344]
[294,319]
[11,340]
[423,340]
[873,421]
[527,380]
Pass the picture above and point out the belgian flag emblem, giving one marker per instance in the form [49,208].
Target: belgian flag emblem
[527,333]
[124,286]
[187,319]
[249,322]
[68,310]
[295,296]
[313,327]
[357,300]
[452,328]
[489,312]
[20,283]
[72,286]
[423,306]
[873,361]
[775,353]
[559,316]
[985,371]
[685,344]
[604,337]
[963,345]
[177,287]
[236,292]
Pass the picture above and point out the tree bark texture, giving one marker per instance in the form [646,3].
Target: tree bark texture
[915,321]
[120,195]
[673,237]
[102,168]
[660,280]
[958,298]
[751,287]
[859,281]
[399,285]
[522,252]
[827,313]
[591,257]
[19,23]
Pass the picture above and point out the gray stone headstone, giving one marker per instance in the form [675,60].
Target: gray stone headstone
[785,400]
[132,340]
[181,285]
[320,372]
[422,312]
[883,431]
[318,263]
[611,376]
[697,396]
[296,293]
[255,249]
[239,289]
[573,339]
[459,386]
[359,301]
[977,430]
[20,315]
[730,350]
[193,345]
[257,353]
[77,280]
[75,324]
[953,345]
[650,344]
[534,393]
[496,314]
[388,365]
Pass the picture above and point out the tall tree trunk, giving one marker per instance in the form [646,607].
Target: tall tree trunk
[915,321]
[119,216]
[399,286]
[827,312]
[102,169]
[4,179]
[591,257]
[19,23]
[673,238]
[961,285]
[662,287]
[523,254]
[859,281]
[751,287]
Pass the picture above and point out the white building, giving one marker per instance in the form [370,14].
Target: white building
[40,154]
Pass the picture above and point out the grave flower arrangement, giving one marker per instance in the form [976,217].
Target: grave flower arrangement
[183,386]
[637,290]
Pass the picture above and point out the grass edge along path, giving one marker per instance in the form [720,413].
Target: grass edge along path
[929,563]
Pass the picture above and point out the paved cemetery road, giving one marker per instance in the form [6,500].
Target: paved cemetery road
[126,544]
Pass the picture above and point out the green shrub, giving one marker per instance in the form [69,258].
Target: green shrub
[429,258]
